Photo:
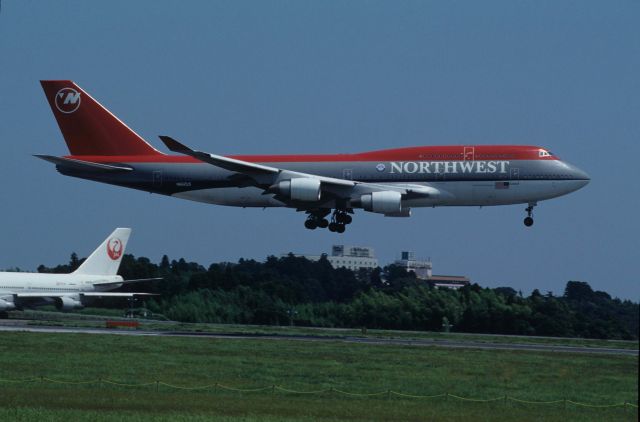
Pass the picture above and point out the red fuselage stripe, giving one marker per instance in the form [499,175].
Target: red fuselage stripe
[445,153]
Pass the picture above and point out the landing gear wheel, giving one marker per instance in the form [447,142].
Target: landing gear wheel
[528,221]
[316,218]
[340,228]
[341,217]
[333,227]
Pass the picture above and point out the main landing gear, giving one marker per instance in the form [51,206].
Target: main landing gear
[528,221]
[339,219]
[313,222]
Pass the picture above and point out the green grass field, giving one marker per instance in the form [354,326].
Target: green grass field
[301,366]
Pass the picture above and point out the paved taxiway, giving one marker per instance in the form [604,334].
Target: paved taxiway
[459,344]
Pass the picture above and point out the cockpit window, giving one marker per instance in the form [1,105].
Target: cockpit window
[544,153]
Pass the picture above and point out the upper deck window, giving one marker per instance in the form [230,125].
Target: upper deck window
[544,153]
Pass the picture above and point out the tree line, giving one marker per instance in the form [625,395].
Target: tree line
[294,290]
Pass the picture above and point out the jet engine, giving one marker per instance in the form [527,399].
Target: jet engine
[66,303]
[385,202]
[300,189]
[6,305]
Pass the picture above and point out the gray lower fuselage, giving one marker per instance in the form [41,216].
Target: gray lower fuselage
[460,183]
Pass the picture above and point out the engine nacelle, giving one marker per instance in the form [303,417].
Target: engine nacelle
[66,303]
[5,305]
[301,189]
[405,212]
[385,202]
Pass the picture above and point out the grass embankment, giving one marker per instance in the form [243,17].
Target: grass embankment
[302,366]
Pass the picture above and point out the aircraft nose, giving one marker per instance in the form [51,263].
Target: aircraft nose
[579,174]
[580,177]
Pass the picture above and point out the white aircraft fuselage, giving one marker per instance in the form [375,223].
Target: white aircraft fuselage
[11,282]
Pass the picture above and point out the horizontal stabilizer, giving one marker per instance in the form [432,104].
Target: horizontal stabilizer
[82,165]
[139,280]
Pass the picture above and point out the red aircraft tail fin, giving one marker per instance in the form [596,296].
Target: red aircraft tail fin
[88,127]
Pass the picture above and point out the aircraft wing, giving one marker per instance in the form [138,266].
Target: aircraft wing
[218,160]
[87,294]
[267,178]
[36,295]
[245,167]
[115,294]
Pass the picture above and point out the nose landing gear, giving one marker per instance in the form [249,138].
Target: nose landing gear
[528,221]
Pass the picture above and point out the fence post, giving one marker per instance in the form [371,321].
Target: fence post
[505,400]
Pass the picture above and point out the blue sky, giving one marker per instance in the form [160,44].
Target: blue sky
[322,77]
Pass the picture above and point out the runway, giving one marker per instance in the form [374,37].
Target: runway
[457,344]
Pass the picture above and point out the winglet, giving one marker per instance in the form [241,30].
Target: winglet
[174,145]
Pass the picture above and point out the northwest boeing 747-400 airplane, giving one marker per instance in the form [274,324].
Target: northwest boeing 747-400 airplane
[94,278]
[388,182]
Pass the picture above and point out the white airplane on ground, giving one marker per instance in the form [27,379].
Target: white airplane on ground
[93,279]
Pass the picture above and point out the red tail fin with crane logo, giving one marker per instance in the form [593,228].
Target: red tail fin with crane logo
[88,127]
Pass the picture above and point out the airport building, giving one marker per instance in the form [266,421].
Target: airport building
[355,258]
[352,258]
[424,271]
[409,262]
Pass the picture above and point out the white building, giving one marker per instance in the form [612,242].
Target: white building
[409,262]
[423,270]
[350,257]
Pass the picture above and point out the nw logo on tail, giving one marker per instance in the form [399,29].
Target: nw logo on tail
[114,248]
[67,100]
